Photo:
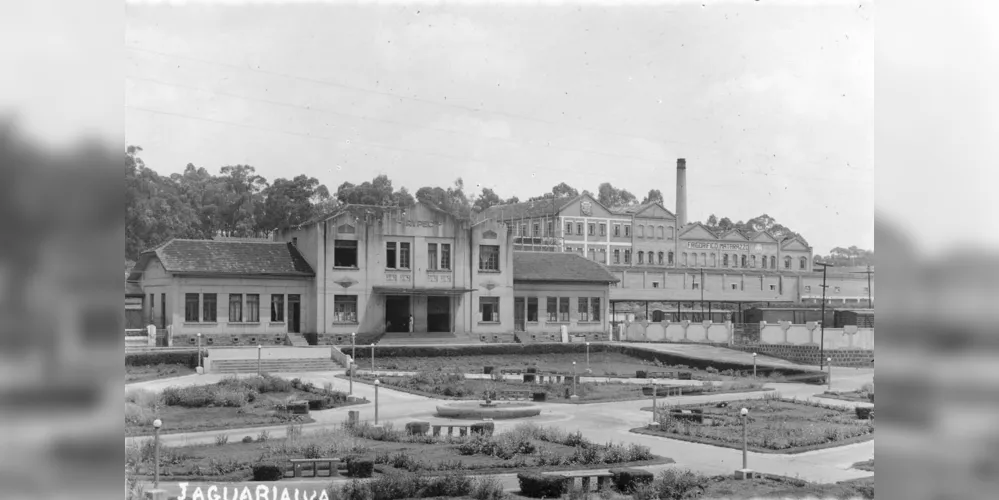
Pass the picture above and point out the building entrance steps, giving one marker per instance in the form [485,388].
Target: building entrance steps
[297,340]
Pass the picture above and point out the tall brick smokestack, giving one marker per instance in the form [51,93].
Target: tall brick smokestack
[681,192]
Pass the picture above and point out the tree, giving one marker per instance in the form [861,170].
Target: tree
[712,221]
[487,199]
[155,210]
[242,200]
[511,200]
[564,190]
[654,196]
[609,196]
[291,202]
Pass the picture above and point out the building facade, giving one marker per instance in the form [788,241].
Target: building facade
[554,290]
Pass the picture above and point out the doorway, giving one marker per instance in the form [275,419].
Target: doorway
[519,318]
[397,313]
[438,314]
[294,313]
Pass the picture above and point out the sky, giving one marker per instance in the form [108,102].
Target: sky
[770,103]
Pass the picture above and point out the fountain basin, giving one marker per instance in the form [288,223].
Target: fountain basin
[495,410]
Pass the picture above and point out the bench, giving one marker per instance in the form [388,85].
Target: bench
[296,470]
[585,477]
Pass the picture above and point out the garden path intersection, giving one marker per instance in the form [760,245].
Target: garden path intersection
[599,422]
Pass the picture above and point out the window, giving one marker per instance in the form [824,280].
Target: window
[670,256]
[683,259]
[568,228]
[660,258]
[583,307]
[641,231]
[836,289]
[773,287]
[764,262]
[523,229]
[617,256]
[345,253]
[753,261]
[579,228]
[808,288]
[669,231]
[695,285]
[446,256]
[552,309]
[655,284]
[704,259]
[735,286]
[152,308]
[627,230]
[253,308]
[591,229]
[714,260]
[594,308]
[773,262]
[345,308]
[617,230]
[294,242]
[563,309]
[390,255]
[735,260]
[209,308]
[627,256]
[803,263]
[866,289]
[693,257]
[277,307]
[537,230]
[551,229]
[603,229]
[659,232]
[743,261]
[787,263]
[235,308]
[593,254]
[725,260]
[489,309]
[191,307]
[532,309]
[404,255]
[431,256]
[489,258]
[641,257]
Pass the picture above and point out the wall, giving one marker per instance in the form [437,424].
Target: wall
[810,354]
[684,331]
[847,338]
[573,291]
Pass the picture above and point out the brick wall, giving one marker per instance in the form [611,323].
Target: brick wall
[810,354]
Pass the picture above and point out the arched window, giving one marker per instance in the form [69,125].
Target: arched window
[660,258]
[670,256]
[803,263]
[714,260]
[669,232]
[735,260]
[764,262]
[683,259]
[752,261]
[743,260]
[617,256]
[787,263]
[641,231]
[725,260]
[593,254]
[659,232]
[693,262]
[704,259]
[641,255]
[773,262]
[627,256]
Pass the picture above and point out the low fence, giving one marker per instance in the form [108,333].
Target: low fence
[783,333]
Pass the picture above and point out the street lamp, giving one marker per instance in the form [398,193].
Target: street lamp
[574,396]
[156,446]
[654,409]
[377,383]
[744,413]
[353,352]
[754,365]
[259,350]
[829,362]
[201,368]
[372,357]
[587,355]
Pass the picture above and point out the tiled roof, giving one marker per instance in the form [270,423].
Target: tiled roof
[558,266]
[525,210]
[232,257]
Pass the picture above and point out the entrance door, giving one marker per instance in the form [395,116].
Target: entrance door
[438,314]
[397,312]
[294,313]
[519,314]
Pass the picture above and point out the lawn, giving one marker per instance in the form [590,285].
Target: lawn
[777,487]
[866,465]
[609,364]
[774,425]
[454,386]
[231,403]
[155,372]
[865,394]
[526,447]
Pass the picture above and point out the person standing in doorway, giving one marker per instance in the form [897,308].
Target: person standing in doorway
[411,324]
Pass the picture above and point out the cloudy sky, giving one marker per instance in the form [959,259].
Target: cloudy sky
[770,103]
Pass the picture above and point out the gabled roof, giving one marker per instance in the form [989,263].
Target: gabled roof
[232,257]
[691,226]
[559,267]
[736,232]
[638,209]
[526,209]
[788,241]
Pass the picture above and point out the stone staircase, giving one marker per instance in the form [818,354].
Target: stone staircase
[297,340]
[275,365]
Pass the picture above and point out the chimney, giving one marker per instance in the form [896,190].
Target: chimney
[681,192]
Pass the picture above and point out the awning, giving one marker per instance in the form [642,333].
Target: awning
[384,290]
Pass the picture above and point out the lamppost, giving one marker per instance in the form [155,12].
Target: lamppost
[744,413]
[156,447]
[372,357]
[654,402]
[353,352]
[377,383]
[574,396]
[829,362]
[587,355]
[754,365]
[201,368]
[822,324]
[259,350]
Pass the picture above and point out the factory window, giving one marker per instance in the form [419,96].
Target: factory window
[725,260]
[773,262]
[617,256]
[753,261]
[432,256]
[583,308]
[579,228]
[627,256]
[594,308]
[568,228]
[603,229]
[714,260]
[641,257]
[669,232]
[660,258]
[704,259]
[191,307]
[627,230]
[670,255]
[735,286]
[537,230]
[345,308]
[787,263]
[277,307]
[743,261]
[563,309]
[640,231]
[836,289]
[489,309]
[764,262]
[404,255]
[345,253]
[683,259]
[551,229]
[489,258]
[655,284]
[209,308]
[532,309]
[552,309]
[659,232]
[808,288]
[773,287]
[253,308]
[803,263]
[235,308]
[591,229]
[694,261]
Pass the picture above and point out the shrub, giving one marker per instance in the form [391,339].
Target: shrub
[188,358]
[267,472]
[417,428]
[487,488]
[396,486]
[535,485]
[863,412]
[673,484]
[263,436]
[221,439]
[452,484]
[485,428]
[360,468]
[487,370]
[351,490]
[625,480]
[247,439]
[640,374]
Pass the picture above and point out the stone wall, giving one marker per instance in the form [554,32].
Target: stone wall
[222,339]
[810,354]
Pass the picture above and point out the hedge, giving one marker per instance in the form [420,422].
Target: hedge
[535,485]
[188,358]
[863,412]
[485,428]
[267,472]
[360,468]
[417,428]
[625,480]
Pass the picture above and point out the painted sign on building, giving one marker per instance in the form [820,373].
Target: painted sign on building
[419,223]
[703,245]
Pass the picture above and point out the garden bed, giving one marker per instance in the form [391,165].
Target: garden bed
[863,395]
[775,425]
[155,372]
[527,447]
[231,403]
[867,465]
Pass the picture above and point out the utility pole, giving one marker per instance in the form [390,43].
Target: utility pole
[702,294]
[868,272]
[822,323]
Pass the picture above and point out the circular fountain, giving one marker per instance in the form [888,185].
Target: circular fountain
[488,410]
